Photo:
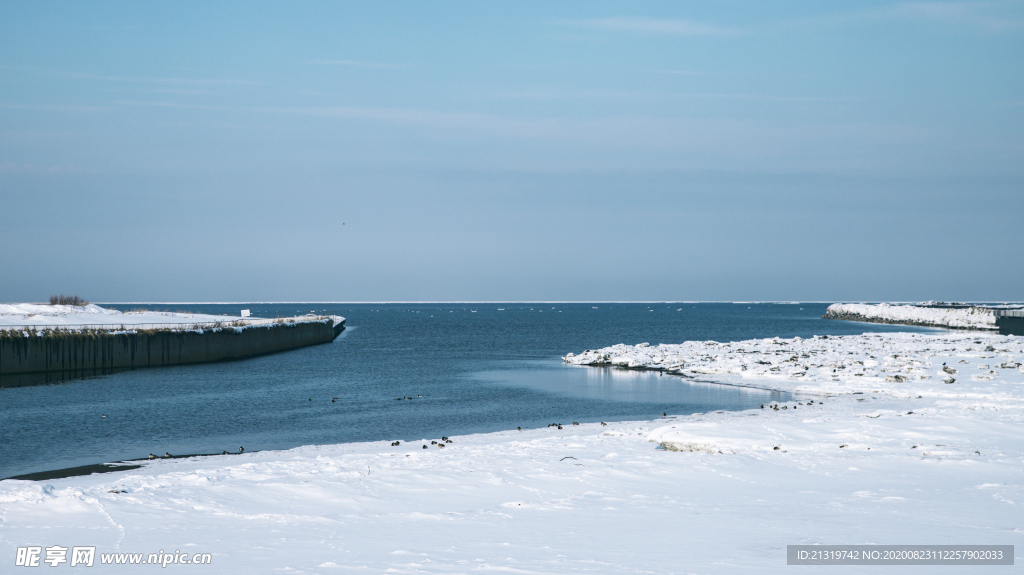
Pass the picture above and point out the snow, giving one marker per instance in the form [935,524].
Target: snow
[28,315]
[863,457]
[962,318]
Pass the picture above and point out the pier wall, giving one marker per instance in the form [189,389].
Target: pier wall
[53,351]
[1010,325]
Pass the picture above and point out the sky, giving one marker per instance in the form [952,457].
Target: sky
[526,151]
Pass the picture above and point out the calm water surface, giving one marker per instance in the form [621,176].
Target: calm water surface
[478,368]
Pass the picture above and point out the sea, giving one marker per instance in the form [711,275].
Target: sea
[399,372]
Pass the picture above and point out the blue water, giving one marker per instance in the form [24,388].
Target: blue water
[469,367]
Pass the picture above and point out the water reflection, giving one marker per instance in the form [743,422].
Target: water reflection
[630,385]
[53,377]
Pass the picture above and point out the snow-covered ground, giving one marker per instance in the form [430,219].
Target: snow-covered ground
[880,451]
[960,318]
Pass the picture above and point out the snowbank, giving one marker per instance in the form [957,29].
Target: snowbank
[857,458]
[959,318]
[823,364]
[42,315]
[69,317]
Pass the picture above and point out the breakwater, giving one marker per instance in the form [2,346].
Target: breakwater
[61,350]
[949,317]
[1005,320]
[1010,322]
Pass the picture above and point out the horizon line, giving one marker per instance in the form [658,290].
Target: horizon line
[541,302]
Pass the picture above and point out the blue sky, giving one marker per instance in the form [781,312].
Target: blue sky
[512,151]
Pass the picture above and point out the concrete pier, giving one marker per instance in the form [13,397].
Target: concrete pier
[78,350]
[1010,321]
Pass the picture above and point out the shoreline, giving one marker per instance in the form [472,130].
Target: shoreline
[796,393]
[877,462]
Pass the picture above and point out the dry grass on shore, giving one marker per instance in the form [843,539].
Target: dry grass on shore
[62,299]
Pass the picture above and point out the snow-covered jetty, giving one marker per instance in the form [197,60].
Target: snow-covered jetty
[38,338]
[955,317]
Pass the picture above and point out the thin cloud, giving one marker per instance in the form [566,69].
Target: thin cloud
[988,16]
[179,91]
[361,64]
[983,15]
[16,168]
[764,97]
[542,94]
[680,27]
[681,72]
[71,108]
[163,104]
[701,140]
[168,81]
[979,14]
